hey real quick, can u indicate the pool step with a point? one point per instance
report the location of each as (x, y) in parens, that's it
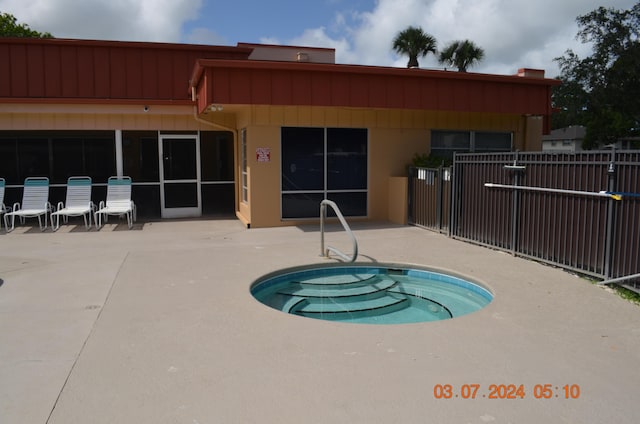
(347, 292)
(340, 281)
(344, 296)
(340, 310)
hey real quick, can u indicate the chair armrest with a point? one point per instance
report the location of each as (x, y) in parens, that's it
(60, 206)
(16, 206)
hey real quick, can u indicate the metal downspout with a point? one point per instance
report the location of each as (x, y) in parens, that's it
(235, 150)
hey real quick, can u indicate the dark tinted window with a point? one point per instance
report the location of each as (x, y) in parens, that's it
(302, 159)
(216, 156)
(140, 155)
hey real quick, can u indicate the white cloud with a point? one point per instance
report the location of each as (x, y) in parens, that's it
(513, 33)
(131, 20)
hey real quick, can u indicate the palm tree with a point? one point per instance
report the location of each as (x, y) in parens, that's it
(414, 42)
(461, 54)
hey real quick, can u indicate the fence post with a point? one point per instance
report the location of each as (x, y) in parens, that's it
(411, 219)
(453, 213)
(438, 182)
(516, 207)
(609, 236)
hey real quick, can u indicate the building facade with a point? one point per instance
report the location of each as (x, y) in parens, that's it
(568, 139)
(263, 132)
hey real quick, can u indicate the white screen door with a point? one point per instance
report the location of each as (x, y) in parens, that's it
(180, 175)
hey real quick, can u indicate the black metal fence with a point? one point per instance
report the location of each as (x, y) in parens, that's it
(430, 198)
(580, 211)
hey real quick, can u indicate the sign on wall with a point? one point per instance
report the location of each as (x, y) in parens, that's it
(263, 154)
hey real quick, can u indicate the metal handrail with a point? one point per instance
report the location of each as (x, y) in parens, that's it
(609, 194)
(325, 252)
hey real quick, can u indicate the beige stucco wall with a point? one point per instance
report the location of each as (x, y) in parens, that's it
(100, 117)
(394, 138)
(398, 200)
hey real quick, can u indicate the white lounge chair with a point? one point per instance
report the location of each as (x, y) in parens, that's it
(3, 208)
(35, 203)
(118, 201)
(77, 203)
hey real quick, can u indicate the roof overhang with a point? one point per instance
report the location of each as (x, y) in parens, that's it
(229, 82)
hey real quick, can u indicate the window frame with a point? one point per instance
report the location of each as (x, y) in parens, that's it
(325, 191)
(472, 146)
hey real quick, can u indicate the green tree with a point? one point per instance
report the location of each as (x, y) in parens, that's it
(461, 54)
(602, 91)
(414, 43)
(9, 27)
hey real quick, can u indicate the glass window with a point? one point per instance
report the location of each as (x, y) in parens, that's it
(319, 163)
(180, 195)
(100, 159)
(67, 159)
(33, 158)
(243, 161)
(346, 158)
(351, 204)
(302, 205)
(445, 143)
(9, 161)
(216, 156)
(179, 158)
(492, 142)
(140, 155)
(57, 155)
(302, 159)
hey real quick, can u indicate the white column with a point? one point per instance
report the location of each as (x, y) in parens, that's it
(119, 160)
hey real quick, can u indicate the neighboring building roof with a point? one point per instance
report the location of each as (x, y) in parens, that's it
(290, 53)
(574, 132)
(568, 139)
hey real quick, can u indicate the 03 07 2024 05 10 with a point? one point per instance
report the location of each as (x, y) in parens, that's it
(506, 391)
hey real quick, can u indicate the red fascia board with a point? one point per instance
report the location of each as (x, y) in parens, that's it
(93, 101)
(508, 93)
(141, 45)
(369, 70)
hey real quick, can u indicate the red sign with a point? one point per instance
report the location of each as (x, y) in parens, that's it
(263, 154)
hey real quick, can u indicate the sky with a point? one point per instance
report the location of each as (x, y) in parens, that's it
(513, 33)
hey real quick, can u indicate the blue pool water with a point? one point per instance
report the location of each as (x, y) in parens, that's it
(382, 294)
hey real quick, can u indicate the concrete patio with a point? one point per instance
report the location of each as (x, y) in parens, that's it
(156, 325)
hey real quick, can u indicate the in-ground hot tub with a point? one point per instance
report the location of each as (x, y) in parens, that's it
(371, 294)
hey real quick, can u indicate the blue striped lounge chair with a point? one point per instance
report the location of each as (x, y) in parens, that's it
(35, 203)
(77, 203)
(118, 202)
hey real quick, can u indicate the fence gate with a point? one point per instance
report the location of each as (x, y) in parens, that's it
(430, 198)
